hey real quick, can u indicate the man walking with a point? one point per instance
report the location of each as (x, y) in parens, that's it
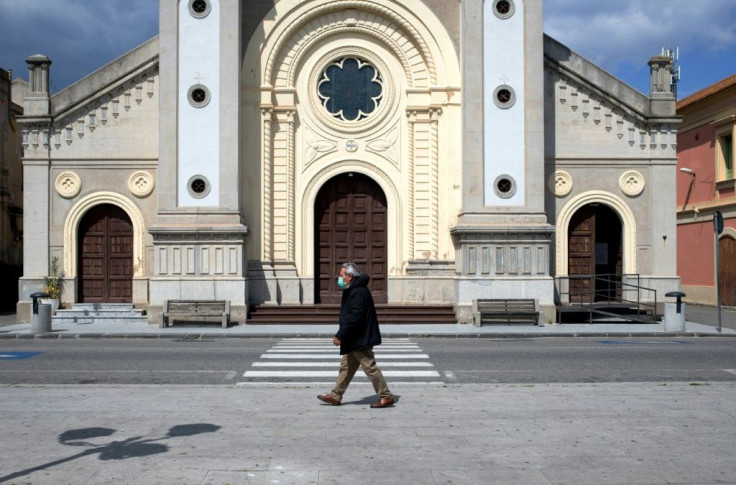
(357, 335)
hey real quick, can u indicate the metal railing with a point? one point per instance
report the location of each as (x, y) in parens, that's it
(603, 294)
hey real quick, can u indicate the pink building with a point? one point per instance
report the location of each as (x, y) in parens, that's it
(706, 184)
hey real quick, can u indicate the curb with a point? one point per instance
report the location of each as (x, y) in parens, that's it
(202, 336)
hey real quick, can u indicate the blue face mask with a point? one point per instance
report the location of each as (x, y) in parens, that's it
(341, 283)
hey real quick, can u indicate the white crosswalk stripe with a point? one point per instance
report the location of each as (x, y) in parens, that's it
(315, 361)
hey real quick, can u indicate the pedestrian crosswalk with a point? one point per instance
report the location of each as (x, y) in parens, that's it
(315, 361)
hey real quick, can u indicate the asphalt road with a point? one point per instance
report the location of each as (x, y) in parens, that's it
(223, 362)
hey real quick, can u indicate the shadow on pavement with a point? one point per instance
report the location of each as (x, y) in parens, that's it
(133, 447)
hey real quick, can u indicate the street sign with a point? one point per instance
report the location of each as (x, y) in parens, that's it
(718, 222)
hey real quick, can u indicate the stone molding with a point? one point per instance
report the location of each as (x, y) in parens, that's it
(74, 216)
(560, 183)
(631, 183)
(68, 184)
(628, 228)
(655, 135)
(141, 183)
(393, 201)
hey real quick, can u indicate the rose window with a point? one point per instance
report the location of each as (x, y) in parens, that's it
(350, 89)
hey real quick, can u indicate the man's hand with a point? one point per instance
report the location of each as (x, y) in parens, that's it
(336, 341)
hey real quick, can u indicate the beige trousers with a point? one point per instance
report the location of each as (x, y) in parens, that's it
(349, 365)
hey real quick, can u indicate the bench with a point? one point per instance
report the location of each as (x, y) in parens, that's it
(195, 309)
(505, 311)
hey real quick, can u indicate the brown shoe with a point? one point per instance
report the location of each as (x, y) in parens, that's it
(328, 399)
(383, 403)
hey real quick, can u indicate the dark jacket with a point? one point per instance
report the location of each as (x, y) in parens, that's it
(358, 321)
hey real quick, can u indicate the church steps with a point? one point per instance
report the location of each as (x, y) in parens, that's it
(100, 313)
(327, 314)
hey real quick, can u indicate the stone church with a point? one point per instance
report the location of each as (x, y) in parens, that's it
(449, 148)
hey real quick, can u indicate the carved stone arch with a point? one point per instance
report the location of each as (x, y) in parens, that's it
(309, 197)
(301, 20)
(628, 228)
(71, 225)
(417, 76)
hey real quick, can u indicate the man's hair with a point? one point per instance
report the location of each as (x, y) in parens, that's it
(351, 269)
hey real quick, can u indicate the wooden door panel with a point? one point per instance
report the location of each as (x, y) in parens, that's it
(580, 254)
(105, 255)
(350, 223)
(727, 263)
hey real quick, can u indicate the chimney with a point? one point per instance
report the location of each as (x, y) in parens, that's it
(36, 103)
(661, 93)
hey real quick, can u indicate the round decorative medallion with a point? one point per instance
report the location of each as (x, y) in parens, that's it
(351, 145)
(198, 186)
(505, 186)
(631, 183)
(503, 9)
(199, 8)
(198, 96)
(140, 184)
(504, 96)
(68, 184)
(560, 183)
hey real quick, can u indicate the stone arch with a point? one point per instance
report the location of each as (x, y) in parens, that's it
(409, 29)
(309, 197)
(628, 228)
(71, 225)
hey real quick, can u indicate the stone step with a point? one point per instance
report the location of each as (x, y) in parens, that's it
(95, 319)
(100, 313)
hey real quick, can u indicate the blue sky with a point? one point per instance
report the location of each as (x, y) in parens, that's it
(80, 36)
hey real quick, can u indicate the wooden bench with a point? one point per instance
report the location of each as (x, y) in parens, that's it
(195, 309)
(505, 311)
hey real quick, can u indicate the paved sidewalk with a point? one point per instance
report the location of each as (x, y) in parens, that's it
(703, 314)
(465, 434)
(132, 330)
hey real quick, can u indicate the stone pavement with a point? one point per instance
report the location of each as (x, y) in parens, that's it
(132, 330)
(465, 434)
(705, 315)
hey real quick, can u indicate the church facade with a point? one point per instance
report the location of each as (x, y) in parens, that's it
(450, 149)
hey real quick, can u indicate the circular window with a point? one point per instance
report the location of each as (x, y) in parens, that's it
(350, 89)
(504, 96)
(199, 8)
(504, 186)
(198, 96)
(503, 9)
(198, 186)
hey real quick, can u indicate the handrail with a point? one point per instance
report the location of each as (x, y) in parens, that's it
(613, 288)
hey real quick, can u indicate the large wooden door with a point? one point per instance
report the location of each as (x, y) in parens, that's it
(594, 254)
(580, 265)
(350, 220)
(105, 258)
(727, 263)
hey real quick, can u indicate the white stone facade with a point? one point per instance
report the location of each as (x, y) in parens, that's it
(214, 140)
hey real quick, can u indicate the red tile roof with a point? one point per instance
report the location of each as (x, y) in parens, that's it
(709, 91)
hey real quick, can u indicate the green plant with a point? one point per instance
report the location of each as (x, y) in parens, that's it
(55, 280)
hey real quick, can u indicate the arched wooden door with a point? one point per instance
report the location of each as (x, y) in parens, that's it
(727, 263)
(350, 226)
(594, 249)
(105, 256)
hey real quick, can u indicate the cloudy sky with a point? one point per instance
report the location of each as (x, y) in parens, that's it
(80, 36)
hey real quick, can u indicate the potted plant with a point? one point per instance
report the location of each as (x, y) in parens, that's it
(54, 284)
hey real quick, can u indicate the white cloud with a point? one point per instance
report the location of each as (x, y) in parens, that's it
(629, 32)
